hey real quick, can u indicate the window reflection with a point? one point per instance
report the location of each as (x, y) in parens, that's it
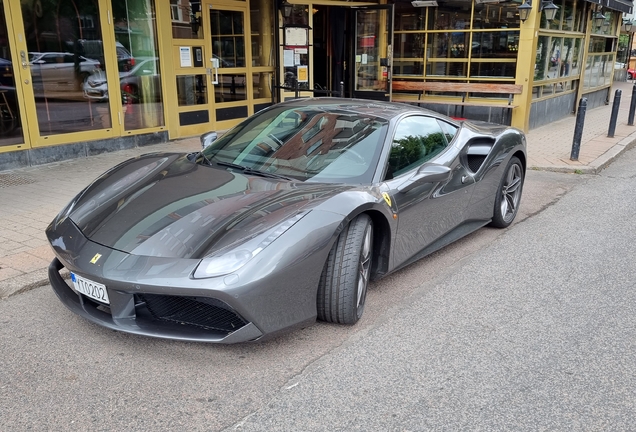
(139, 74)
(191, 90)
(10, 127)
(231, 87)
(65, 47)
(186, 19)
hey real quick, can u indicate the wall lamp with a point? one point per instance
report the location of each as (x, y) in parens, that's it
(546, 6)
(627, 25)
(286, 8)
(599, 19)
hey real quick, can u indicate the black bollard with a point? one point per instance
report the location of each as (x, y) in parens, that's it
(615, 106)
(341, 89)
(632, 106)
(578, 129)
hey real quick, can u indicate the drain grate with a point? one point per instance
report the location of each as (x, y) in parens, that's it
(8, 180)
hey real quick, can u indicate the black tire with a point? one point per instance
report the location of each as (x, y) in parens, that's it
(343, 284)
(508, 194)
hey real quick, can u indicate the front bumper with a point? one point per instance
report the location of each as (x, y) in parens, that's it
(165, 316)
(156, 296)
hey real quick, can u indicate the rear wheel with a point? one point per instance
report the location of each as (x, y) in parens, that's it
(343, 285)
(508, 194)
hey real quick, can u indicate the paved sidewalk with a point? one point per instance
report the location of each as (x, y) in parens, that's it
(31, 197)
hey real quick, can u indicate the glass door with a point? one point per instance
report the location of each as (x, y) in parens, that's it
(61, 47)
(229, 63)
(372, 52)
(11, 133)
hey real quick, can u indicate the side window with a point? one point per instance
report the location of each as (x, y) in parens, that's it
(448, 129)
(417, 139)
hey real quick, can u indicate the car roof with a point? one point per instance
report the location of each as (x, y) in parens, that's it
(385, 110)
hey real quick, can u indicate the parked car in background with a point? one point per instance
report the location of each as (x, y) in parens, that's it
(60, 71)
(631, 73)
(95, 49)
(96, 88)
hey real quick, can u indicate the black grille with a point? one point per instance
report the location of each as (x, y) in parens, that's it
(206, 313)
(475, 161)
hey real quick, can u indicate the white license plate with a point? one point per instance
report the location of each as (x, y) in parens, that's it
(90, 289)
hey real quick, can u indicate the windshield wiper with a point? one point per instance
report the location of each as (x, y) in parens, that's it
(249, 170)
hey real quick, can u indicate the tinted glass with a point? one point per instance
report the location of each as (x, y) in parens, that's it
(417, 139)
(10, 126)
(315, 143)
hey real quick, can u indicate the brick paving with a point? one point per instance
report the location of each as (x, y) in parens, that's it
(31, 197)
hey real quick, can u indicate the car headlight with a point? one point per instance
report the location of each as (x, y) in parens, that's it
(231, 260)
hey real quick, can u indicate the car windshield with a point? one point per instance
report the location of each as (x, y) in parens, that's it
(329, 143)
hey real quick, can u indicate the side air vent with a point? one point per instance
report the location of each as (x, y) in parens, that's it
(478, 150)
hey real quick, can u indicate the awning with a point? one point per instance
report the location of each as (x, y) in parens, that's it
(624, 6)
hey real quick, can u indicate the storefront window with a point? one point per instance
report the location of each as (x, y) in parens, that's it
(496, 15)
(448, 45)
(451, 15)
(493, 69)
(139, 75)
(408, 17)
(504, 44)
(66, 58)
(262, 33)
(10, 127)
(187, 22)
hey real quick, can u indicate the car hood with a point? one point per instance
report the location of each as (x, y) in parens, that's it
(166, 205)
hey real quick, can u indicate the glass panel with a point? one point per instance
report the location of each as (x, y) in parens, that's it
(228, 40)
(448, 45)
(493, 69)
(408, 17)
(452, 15)
(298, 17)
(186, 19)
(408, 45)
(496, 15)
(10, 127)
(191, 90)
(231, 87)
(262, 85)
(576, 57)
(413, 68)
(554, 65)
(504, 44)
(65, 47)
(417, 140)
(568, 54)
(139, 76)
(568, 15)
(543, 44)
(459, 69)
(370, 73)
(262, 23)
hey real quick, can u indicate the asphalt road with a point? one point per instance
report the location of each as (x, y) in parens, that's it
(529, 328)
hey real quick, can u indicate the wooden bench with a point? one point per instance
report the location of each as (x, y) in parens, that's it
(464, 89)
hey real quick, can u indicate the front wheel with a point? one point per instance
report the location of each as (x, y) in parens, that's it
(343, 285)
(508, 194)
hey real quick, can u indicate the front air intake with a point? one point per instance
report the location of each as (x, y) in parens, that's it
(202, 312)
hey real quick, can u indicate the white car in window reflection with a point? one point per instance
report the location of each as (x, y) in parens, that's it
(96, 88)
(60, 71)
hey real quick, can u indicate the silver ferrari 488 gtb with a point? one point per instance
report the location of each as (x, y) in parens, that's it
(282, 220)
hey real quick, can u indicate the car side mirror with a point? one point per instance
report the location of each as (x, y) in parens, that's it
(430, 173)
(208, 138)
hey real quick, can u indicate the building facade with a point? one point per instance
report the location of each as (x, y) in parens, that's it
(79, 78)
